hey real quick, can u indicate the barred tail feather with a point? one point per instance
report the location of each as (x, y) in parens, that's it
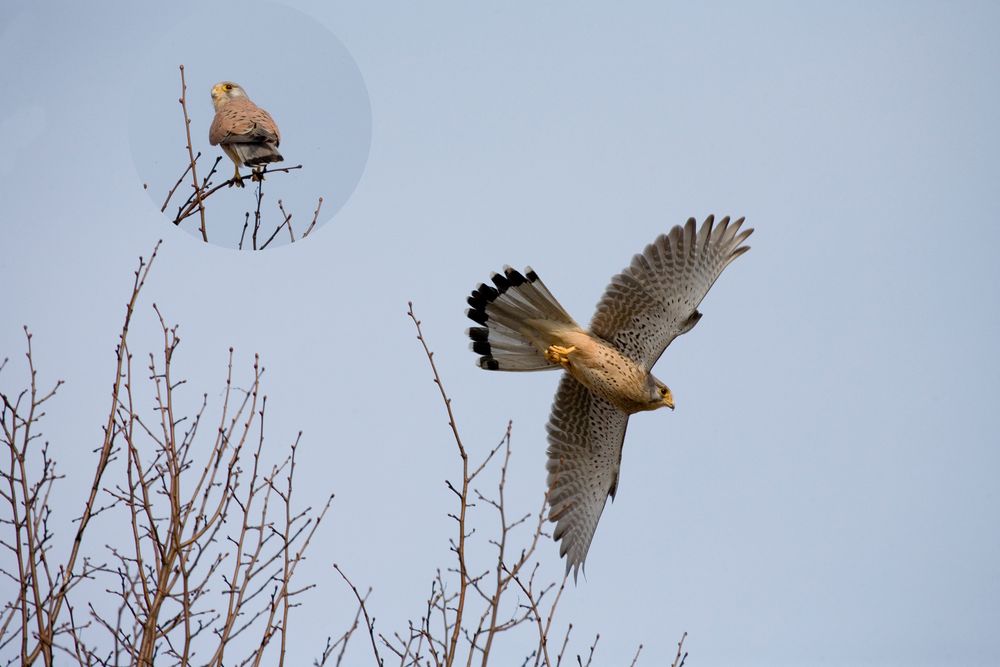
(509, 314)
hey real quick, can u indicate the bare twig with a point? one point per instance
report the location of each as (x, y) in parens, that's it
(319, 204)
(635, 658)
(191, 158)
(369, 622)
(256, 213)
(246, 223)
(562, 649)
(460, 549)
(179, 180)
(590, 656)
(286, 220)
(680, 659)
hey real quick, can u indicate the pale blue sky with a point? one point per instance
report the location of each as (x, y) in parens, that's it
(825, 493)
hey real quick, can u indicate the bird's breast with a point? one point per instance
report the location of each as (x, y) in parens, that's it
(608, 373)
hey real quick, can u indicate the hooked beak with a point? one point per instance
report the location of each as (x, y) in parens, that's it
(668, 400)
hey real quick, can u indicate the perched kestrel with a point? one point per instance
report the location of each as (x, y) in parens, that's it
(646, 306)
(246, 132)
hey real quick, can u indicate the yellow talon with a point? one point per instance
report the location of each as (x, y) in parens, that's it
(237, 179)
(557, 354)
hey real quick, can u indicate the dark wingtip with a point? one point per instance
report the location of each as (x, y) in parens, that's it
(489, 364)
(485, 292)
(478, 333)
(477, 316)
(478, 300)
(513, 277)
(500, 281)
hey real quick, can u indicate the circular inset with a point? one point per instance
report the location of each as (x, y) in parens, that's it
(289, 65)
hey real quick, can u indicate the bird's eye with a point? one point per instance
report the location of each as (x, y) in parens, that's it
(229, 86)
(663, 391)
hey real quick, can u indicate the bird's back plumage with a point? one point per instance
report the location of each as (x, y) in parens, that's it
(247, 131)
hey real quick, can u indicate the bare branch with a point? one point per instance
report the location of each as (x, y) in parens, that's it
(191, 160)
(369, 622)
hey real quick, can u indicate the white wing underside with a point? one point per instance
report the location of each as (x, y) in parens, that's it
(644, 308)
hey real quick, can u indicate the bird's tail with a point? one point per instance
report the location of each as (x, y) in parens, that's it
(255, 155)
(514, 317)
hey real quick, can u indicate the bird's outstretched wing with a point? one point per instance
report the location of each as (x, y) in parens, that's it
(656, 298)
(585, 450)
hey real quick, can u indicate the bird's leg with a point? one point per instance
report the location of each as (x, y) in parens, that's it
(256, 175)
(557, 354)
(237, 179)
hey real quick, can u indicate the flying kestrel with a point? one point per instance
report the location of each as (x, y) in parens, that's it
(246, 132)
(654, 300)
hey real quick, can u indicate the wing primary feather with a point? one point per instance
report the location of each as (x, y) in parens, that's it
(649, 304)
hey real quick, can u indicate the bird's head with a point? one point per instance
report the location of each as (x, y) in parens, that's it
(224, 91)
(659, 395)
